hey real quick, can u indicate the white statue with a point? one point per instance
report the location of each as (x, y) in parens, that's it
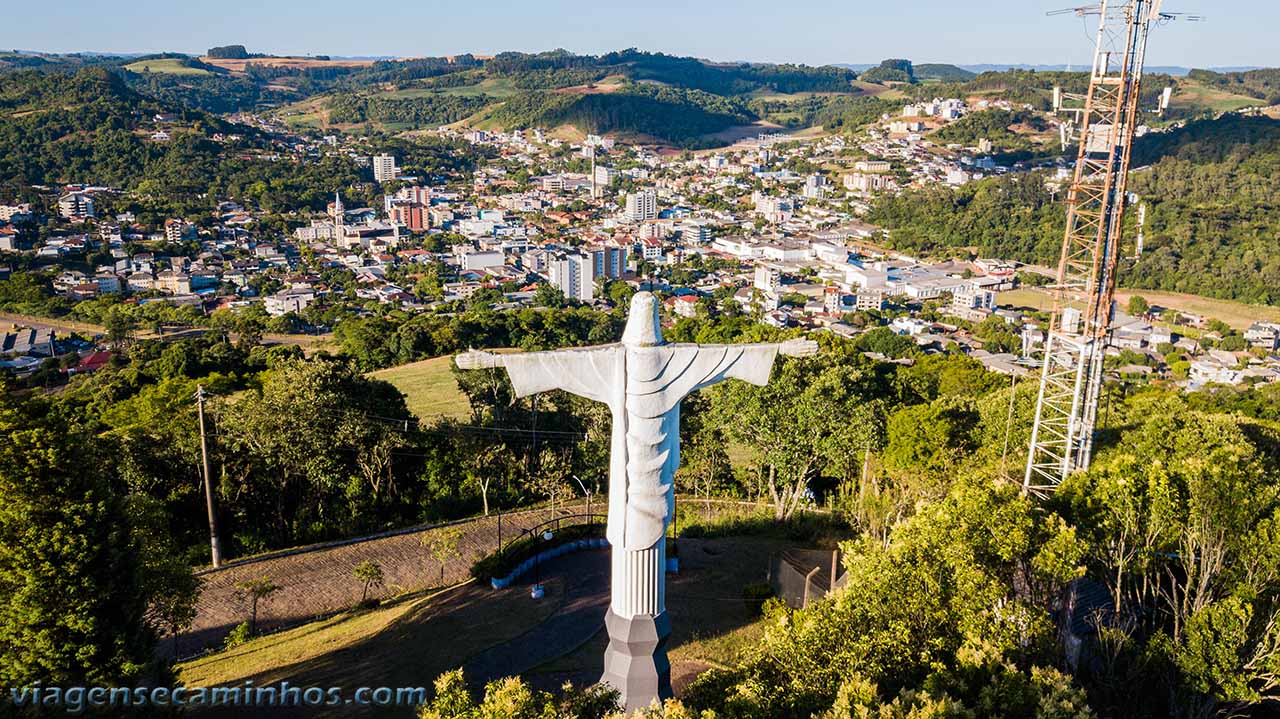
(643, 381)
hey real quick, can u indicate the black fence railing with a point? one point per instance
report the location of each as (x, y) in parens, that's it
(554, 524)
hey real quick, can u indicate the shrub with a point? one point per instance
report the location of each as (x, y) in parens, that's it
(237, 636)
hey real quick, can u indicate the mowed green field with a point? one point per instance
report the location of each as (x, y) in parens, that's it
(429, 388)
(1197, 95)
(168, 66)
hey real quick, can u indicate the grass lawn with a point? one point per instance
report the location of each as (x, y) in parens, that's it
(1197, 95)
(406, 644)
(429, 388)
(1237, 314)
(9, 319)
(168, 66)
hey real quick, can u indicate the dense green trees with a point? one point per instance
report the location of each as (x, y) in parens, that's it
(1209, 187)
(672, 113)
(310, 452)
(87, 569)
(1013, 216)
(428, 111)
(953, 605)
(1180, 520)
(1212, 211)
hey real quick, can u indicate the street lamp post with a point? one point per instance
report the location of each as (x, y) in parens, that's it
(538, 591)
(590, 517)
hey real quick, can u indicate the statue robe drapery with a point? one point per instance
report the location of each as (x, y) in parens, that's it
(643, 387)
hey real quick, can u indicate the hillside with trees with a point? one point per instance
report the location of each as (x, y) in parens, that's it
(1211, 189)
(89, 127)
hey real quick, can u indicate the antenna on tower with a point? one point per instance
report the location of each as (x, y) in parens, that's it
(1106, 118)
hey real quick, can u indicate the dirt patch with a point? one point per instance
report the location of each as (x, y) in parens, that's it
(684, 672)
(588, 90)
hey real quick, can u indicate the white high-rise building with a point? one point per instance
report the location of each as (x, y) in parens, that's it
(75, 205)
(574, 274)
(384, 168)
(768, 279)
(605, 176)
(642, 206)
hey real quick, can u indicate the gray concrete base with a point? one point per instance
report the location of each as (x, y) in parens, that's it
(636, 661)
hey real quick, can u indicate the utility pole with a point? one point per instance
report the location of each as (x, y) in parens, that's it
(215, 543)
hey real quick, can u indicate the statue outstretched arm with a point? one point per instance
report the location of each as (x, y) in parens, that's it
(478, 359)
(585, 372)
(754, 363)
(799, 347)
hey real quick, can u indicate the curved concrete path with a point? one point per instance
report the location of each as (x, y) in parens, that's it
(574, 623)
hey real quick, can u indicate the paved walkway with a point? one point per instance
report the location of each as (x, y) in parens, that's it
(574, 623)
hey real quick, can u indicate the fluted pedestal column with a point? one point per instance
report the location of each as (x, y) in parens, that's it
(636, 661)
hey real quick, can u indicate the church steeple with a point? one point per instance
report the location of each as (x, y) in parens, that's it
(339, 215)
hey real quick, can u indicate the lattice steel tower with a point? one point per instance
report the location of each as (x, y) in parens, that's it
(1071, 378)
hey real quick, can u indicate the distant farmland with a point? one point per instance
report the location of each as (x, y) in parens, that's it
(165, 66)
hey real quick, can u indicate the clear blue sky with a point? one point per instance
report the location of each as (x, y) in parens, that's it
(1240, 32)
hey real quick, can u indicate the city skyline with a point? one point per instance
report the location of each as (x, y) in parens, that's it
(1003, 32)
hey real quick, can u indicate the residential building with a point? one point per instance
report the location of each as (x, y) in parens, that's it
(768, 278)
(8, 212)
(610, 262)
(75, 206)
(384, 168)
(1210, 371)
(413, 216)
(683, 305)
(872, 166)
(605, 176)
(641, 206)
(574, 274)
(1263, 334)
(289, 300)
(172, 282)
(175, 231)
(866, 299)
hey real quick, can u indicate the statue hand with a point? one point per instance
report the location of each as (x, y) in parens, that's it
(799, 348)
(476, 359)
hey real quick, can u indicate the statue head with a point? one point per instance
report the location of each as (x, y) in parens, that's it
(643, 329)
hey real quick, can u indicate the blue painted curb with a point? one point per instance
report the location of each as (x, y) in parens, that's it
(563, 549)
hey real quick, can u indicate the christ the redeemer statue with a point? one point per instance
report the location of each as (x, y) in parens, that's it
(643, 380)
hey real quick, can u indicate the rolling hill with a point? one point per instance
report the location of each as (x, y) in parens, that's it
(1212, 191)
(91, 127)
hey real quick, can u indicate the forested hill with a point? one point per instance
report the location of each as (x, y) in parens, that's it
(89, 127)
(1213, 221)
(1212, 189)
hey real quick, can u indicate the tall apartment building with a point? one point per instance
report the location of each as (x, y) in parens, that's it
(768, 278)
(574, 274)
(642, 206)
(384, 168)
(605, 176)
(610, 262)
(75, 205)
(176, 231)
